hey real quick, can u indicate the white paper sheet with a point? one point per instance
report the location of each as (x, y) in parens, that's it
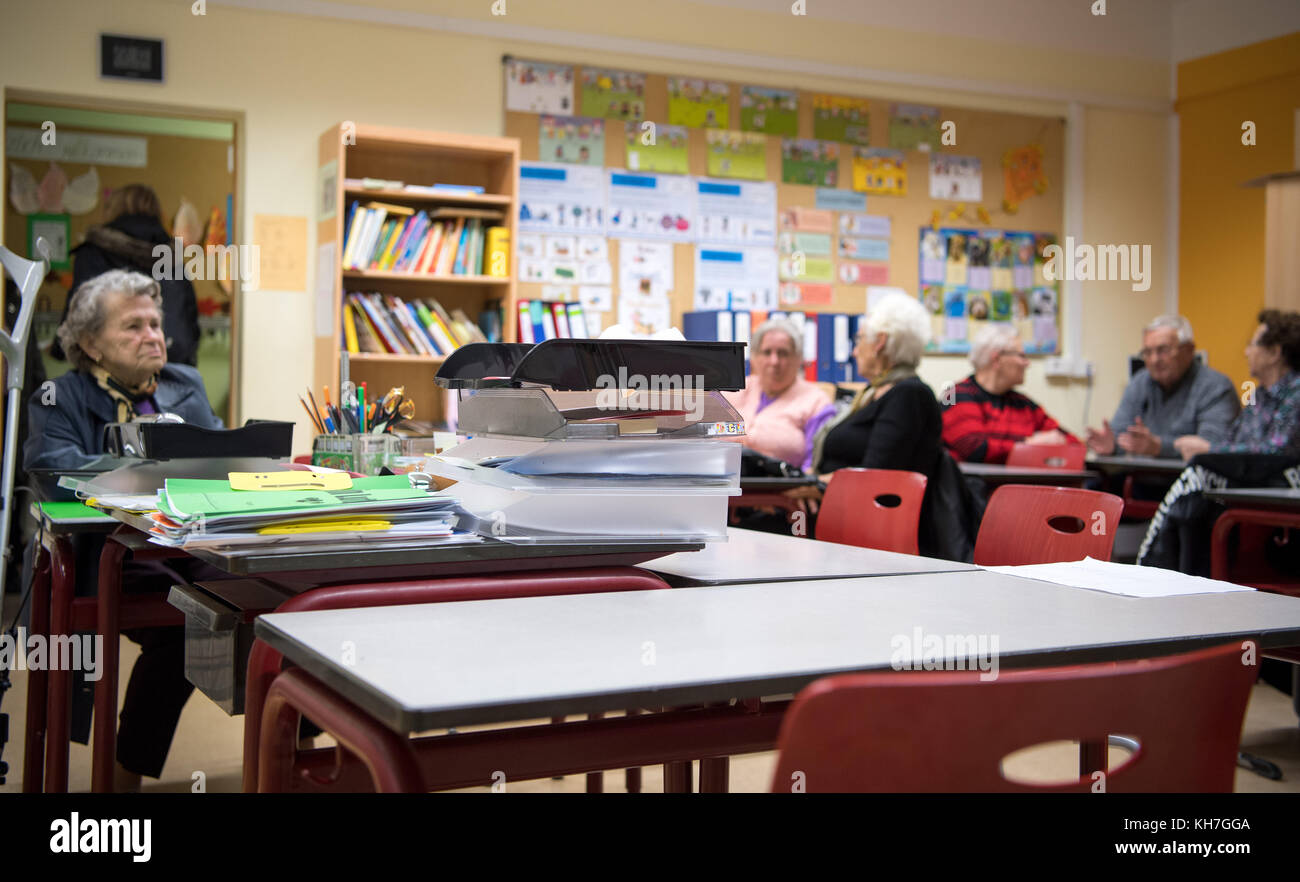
(1117, 578)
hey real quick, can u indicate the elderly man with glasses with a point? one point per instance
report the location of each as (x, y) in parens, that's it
(986, 417)
(1174, 397)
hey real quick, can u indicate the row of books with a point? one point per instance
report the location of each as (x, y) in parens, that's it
(385, 323)
(449, 241)
(541, 320)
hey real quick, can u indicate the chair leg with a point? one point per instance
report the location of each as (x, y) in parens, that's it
(37, 681)
(714, 774)
(632, 777)
(104, 751)
(596, 780)
(678, 777)
(58, 731)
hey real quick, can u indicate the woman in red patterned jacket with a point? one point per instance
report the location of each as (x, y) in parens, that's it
(985, 417)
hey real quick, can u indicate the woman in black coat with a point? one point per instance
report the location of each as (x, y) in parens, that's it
(135, 228)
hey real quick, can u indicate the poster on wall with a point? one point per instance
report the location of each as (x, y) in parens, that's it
(575, 139)
(811, 162)
(659, 149)
(913, 127)
(971, 277)
(737, 155)
(842, 119)
(882, 172)
(613, 94)
(956, 178)
(771, 111)
(738, 213)
(735, 278)
(539, 87)
(656, 206)
(699, 104)
(559, 198)
(56, 229)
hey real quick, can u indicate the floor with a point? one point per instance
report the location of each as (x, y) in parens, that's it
(208, 748)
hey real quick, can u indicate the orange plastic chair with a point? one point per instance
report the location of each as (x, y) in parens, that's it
(949, 731)
(1047, 456)
(1032, 524)
(872, 508)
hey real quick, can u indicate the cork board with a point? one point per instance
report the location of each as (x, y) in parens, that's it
(983, 134)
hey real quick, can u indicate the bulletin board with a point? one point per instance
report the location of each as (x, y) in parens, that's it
(989, 136)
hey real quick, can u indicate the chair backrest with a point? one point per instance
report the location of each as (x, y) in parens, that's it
(902, 731)
(1047, 456)
(872, 508)
(1032, 524)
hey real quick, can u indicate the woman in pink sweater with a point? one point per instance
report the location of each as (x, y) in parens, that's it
(782, 410)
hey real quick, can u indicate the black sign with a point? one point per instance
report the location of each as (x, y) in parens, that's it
(131, 58)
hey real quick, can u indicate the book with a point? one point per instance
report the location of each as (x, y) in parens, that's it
(356, 219)
(498, 252)
(448, 252)
(413, 310)
(387, 335)
(350, 329)
(367, 335)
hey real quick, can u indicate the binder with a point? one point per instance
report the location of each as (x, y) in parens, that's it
(526, 322)
(561, 320)
(577, 320)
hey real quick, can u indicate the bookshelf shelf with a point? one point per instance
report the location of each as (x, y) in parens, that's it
(415, 157)
(491, 200)
(427, 277)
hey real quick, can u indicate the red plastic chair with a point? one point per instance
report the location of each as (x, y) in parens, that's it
(949, 731)
(1031, 524)
(872, 508)
(1047, 456)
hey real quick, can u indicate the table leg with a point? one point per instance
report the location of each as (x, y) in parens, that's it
(596, 780)
(58, 731)
(104, 752)
(632, 777)
(37, 681)
(678, 777)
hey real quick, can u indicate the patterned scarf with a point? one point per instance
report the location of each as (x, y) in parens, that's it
(893, 375)
(126, 397)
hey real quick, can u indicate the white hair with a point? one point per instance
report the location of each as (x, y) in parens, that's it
(990, 341)
(1174, 322)
(905, 324)
(87, 314)
(785, 326)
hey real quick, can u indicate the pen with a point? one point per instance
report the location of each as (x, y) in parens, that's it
(361, 408)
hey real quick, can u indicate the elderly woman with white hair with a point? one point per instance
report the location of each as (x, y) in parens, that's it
(894, 423)
(112, 333)
(782, 410)
(987, 417)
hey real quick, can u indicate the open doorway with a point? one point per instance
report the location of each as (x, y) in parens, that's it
(66, 157)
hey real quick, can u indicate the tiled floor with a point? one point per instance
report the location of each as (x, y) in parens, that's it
(210, 742)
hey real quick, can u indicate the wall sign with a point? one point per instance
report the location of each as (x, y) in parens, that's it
(130, 58)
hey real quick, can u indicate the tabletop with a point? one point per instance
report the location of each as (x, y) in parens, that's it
(775, 485)
(457, 664)
(1003, 474)
(71, 517)
(1120, 465)
(1284, 498)
(752, 556)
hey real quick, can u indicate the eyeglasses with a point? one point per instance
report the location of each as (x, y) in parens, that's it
(1014, 353)
(1164, 351)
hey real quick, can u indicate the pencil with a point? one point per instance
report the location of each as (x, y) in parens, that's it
(314, 421)
(316, 410)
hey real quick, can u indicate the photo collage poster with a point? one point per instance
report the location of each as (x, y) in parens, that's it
(971, 277)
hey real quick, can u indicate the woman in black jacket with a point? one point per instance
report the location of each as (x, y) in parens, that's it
(135, 228)
(895, 423)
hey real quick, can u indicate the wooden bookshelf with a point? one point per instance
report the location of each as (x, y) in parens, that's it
(421, 158)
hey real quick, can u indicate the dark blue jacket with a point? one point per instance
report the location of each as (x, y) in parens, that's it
(66, 423)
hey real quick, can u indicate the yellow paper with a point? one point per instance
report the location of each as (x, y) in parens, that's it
(323, 527)
(282, 252)
(291, 480)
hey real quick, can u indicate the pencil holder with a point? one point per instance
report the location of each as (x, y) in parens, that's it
(364, 454)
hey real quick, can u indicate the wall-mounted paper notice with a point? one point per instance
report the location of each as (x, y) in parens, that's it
(326, 265)
(282, 249)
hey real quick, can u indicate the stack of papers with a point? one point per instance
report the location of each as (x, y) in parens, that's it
(1118, 578)
(208, 513)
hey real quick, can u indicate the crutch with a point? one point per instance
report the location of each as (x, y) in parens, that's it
(28, 274)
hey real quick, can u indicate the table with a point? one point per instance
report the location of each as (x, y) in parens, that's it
(1125, 465)
(996, 473)
(1271, 498)
(458, 664)
(751, 556)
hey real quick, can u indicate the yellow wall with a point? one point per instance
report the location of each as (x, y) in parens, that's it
(1221, 224)
(291, 77)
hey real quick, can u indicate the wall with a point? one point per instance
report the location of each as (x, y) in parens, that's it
(1221, 224)
(292, 76)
